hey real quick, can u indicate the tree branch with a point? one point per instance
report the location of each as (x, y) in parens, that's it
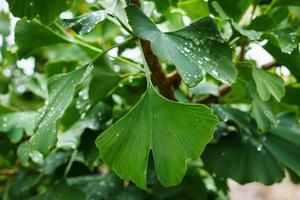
(270, 65)
(158, 76)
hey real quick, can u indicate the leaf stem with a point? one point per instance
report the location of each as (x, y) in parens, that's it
(73, 156)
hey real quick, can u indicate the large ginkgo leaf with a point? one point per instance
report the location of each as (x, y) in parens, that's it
(195, 49)
(175, 133)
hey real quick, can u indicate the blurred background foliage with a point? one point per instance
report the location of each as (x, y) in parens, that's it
(257, 138)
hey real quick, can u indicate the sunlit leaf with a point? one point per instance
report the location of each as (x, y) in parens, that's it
(18, 120)
(194, 8)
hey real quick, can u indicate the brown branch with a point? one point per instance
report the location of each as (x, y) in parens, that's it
(243, 46)
(270, 65)
(158, 76)
(174, 79)
(223, 90)
(136, 2)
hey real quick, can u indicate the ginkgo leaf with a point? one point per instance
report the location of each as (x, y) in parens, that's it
(262, 113)
(268, 84)
(285, 39)
(31, 35)
(195, 49)
(242, 161)
(85, 23)
(284, 141)
(174, 132)
(241, 155)
(17, 120)
(46, 11)
(251, 34)
(61, 91)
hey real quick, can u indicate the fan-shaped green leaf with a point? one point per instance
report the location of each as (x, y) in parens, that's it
(174, 132)
(61, 91)
(285, 39)
(292, 61)
(242, 161)
(268, 84)
(46, 11)
(283, 141)
(32, 35)
(17, 120)
(262, 113)
(195, 49)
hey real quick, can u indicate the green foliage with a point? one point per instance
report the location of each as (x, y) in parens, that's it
(82, 115)
(173, 139)
(198, 46)
(46, 11)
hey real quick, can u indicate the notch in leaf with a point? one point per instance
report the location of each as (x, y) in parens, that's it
(194, 49)
(174, 132)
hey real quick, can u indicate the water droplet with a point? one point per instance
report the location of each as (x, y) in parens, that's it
(215, 73)
(155, 116)
(117, 68)
(187, 49)
(259, 147)
(197, 120)
(130, 79)
(85, 97)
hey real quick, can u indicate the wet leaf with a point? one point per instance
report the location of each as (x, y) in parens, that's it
(195, 49)
(86, 23)
(242, 161)
(174, 132)
(61, 91)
